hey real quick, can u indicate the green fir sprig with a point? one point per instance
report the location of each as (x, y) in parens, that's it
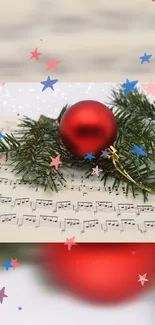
(30, 151)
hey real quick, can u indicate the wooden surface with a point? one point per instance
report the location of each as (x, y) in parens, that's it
(94, 40)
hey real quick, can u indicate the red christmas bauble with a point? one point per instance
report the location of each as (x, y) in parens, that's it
(88, 127)
(102, 272)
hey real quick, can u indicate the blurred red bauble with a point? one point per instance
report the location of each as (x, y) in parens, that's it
(88, 127)
(102, 272)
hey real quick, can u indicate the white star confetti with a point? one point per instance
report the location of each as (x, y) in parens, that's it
(142, 279)
(96, 171)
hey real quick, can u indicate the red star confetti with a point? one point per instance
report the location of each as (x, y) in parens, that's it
(41, 40)
(35, 54)
(70, 242)
(96, 171)
(56, 162)
(3, 157)
(14, 262)
(2, 295)
(52, 64)
(150, 88)
(142, 279)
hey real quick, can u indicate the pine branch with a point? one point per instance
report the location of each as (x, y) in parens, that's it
(30, 151)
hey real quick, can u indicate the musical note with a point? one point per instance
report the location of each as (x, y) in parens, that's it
(4, 181)
(104, 206)
(128, 224)
(41, 203)
(25, 202)
(71, 224)
(49, 221)
(6, 200)
(4, 168)
(65, 205)
(149, 225)
(30, 220)
(126, 208)
(9, 219)
(145, 208)
(91, 224)
(112, 225)
(82, 207)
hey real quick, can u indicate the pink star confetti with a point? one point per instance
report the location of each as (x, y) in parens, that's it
(142, 279)
(2, 83)
(52, 64)
(35, 54)
(3, 157)
(14, 262)
(96, 171)
(150, 88)
(56, 162)
(70, 242)
(2, 295)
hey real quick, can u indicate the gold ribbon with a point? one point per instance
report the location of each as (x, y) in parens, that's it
(116, 162)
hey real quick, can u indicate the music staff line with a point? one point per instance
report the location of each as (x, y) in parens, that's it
(94, 207)
(75, 224)
(84, 185)
(75, 182)
(85, 189)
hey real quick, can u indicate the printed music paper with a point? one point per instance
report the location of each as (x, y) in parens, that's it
(83, 208)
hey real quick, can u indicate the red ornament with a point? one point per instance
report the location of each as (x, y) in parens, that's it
(88, 127)
(102, 272)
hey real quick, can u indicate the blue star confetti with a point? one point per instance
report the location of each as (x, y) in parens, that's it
(129, 86)
(19, 308)
(145, 58)
(49, 83)
(89, 156)
(139, 151)
(7, 265)
(1, 136)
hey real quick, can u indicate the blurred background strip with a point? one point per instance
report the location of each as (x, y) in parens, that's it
(94, 40)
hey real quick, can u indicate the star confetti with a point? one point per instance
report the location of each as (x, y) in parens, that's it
(150, 88)
(19, 308)
(89, 156)
(2, 83)
(104, 154)
(7, 265)
(2, 295)
(70, 242)
(56, 162)
(138, 150)
(49, 83)
(142, 279)
(3, 157)
(145, 58)
(1, 136)
(14, 262)
(129, 86)
(96, 171)
(35, 54)
(52, 64)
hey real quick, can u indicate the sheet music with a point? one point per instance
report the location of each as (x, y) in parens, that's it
(83, 208)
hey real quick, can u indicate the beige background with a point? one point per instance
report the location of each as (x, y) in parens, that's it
(98, 40)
